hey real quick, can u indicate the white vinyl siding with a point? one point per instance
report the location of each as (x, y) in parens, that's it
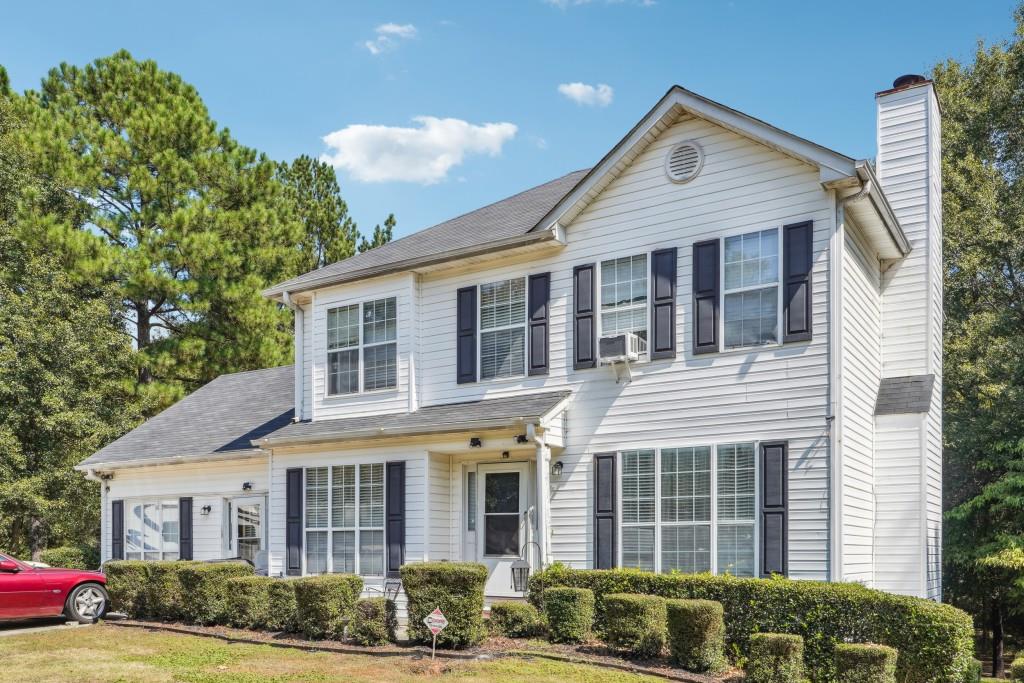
(750, 289)
(623, 295)
(344, 512)
(366, 331)
(151, 529)
(503, 329)
(684, 510)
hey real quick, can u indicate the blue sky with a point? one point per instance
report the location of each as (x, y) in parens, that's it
(438, 108)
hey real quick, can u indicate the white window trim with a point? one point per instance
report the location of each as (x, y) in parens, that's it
(779, 314)
(480, 329)
(330, 529)
(658, 524)
(129, 503)
(359, 348)
(599, 310)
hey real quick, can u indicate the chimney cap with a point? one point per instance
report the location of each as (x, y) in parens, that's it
(908, 80)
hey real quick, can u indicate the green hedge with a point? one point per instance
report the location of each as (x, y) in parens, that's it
(696, 634)
(248, 601)
(281, 609)
(164, 597)
(373, 622)
(865, 663)
(935, 641)
(514, 619)
(205, 590)
(1017, 669)
(635, 623)
(72, 557)
(126, 584)
(457, 588)
(569, 613)
(324, 603)
(775, 658)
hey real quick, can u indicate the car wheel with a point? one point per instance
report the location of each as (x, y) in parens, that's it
(87, 603)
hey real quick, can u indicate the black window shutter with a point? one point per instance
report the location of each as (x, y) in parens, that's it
(539, 305)
(705, 297)
(293, 521)
(395, 513)
(117, 530)
(184, 528)
(604, 511)
(774, 517)
(663, 311)
(583, 329)
(797, 254)
(466, 345)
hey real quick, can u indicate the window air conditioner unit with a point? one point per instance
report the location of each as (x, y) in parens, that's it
(625, 347)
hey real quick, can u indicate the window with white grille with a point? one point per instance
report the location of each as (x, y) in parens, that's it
(362, 347)
(503, 329)
(624, 296)
(345, 519)
(689, 509)
(750, 291)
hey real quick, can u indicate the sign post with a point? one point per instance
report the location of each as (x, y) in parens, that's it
(436, 622)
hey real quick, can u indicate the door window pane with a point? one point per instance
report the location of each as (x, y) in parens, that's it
(249, 530)
(501, 492)
(501, 513)
(471, 501)
(501, 532)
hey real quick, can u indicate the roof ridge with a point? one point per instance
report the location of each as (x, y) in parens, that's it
(245, 372)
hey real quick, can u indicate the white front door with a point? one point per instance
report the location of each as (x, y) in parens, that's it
(246, 532)
(503, 500)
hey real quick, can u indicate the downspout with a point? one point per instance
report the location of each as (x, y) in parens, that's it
(543, 494)
(299, 359)
(834, 422)
(92, 476)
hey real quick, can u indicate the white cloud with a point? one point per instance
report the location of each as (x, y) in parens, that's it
(424, 154)
(599, 95)
(388, 37)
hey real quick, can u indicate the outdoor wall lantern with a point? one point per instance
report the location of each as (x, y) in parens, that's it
(247, 486)
(556, 469)
(475, 442)
(521, 569)
(505, 455)
(521, 438)
(205, 510)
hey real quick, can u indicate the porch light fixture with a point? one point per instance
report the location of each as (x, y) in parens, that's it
(505, 455)
(391, 588)
(521, 569)
(205, 510)
(247, 486)
(521, 438)
(475, 442)
(556, 469)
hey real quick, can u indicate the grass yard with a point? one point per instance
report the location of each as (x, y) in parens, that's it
(102, 654)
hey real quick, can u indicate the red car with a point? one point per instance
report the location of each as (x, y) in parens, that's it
(27, 591)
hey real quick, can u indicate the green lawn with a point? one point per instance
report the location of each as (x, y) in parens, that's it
(108, 654)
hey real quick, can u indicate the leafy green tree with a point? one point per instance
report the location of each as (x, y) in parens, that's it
(329, 233)
(186, 224)
(983, 209)
(380, 235)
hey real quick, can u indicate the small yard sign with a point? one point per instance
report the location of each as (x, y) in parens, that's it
(436, 622)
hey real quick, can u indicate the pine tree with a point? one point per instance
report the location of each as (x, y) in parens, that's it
(380, 235)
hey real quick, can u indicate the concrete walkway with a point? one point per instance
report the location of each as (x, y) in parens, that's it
(17, 628)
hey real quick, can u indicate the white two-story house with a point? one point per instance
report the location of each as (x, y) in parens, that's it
(717, 350)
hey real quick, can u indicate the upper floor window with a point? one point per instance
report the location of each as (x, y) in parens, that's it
(361, 344)
(624, 296)
(503, 329)
(751, 289)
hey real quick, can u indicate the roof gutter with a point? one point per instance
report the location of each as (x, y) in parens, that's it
(553, 233)
(866, 174)
(169, 460)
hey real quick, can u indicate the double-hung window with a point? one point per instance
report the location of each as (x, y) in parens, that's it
(751, 289)
(151, 530)
(345, 519)
(362, 347)
(624, 296)
(503, 329)
(689, 509)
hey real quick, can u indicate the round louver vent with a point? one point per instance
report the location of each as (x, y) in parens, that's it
(684, 161)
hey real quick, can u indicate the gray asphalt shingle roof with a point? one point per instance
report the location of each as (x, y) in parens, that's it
(430, 419)
(222, 416)
(910, 394)
(511, 217)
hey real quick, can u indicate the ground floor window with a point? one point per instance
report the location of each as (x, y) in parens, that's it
(689, 509)
(345, 519)
(151, 530)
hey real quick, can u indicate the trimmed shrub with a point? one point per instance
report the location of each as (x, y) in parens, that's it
(373, 622)
(569, 613)
(775, 658)
(248, 601)
(324, 603)
(1017, 669)
(72, 557)
(126, 584)
(974, 674)
(514, 619)
(635, 623)
(281, 610)
(935, 641)
(163, 592)
(865, 663)
(696, 634)
(457, 588)
(205, 590)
